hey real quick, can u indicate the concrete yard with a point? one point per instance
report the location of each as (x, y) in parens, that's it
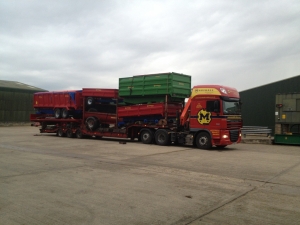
(45, 179)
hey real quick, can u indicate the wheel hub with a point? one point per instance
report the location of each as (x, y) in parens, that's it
(146, 136)
(203, 141)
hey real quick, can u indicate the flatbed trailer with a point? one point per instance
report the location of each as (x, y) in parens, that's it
(140, 131)
(210, 117)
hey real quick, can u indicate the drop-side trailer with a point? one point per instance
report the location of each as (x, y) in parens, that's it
(210, 117)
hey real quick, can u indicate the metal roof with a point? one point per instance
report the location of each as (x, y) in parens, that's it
(15, 85)
(275, 82)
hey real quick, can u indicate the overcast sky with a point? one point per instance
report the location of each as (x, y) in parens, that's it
(69, 44)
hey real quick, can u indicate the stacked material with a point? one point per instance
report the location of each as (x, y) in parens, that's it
(153, 96)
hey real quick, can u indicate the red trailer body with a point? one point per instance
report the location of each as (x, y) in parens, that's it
(100, 92)
(149, 109)
(59, 99)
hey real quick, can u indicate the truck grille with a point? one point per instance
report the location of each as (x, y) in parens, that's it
(234, 135)
(234, 124)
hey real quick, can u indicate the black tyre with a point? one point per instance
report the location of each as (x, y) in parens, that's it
(79, 134)
(89, 101)
(60, 133)
(203, 140)
(162, 137)
(69, 133)
(57, 113)
(146, 136)
(92, 123)
(65, 113)
(44, 125)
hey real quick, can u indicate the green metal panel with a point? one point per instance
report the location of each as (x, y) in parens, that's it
(15, 105)
(287, 139)
(8, 116)
(22, 115)
(2, 104)
(148, 99)
(2, 116)
(173, 84)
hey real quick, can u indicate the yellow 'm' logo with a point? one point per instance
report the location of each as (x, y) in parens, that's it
(204, 117)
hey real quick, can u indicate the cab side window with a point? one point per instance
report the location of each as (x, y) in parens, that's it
(210, 106)
(213, 106)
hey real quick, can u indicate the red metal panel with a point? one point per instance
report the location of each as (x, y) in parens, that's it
(62, 99)
(50, 118)
(173, 108)
(148, 109)
(43, 100)
(106, 134)
(96, 92)
(78, 100)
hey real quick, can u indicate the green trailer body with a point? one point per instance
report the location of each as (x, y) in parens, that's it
(149, 99)
(155, 86)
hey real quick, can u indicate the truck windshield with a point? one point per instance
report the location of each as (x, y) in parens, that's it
(231, 107)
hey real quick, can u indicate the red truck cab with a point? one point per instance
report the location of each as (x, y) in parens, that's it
(213, 116)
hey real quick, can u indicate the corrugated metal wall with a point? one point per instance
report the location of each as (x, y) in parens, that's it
(15, 105)
(258, 107)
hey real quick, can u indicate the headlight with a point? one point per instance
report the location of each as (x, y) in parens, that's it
(225, 136)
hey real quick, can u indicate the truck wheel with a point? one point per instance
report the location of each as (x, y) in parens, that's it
(203, 140)
(89, 101)
(60, 132)
(79, 134)
(91, 122)
(57, 113)
(162, 137)
(146, 136)
(65, 113)
(69, 133)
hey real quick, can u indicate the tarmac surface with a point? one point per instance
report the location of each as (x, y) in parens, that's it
(45, 179)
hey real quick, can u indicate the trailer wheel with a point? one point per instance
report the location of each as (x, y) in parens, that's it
(89, 101)
(79, 134)
(203, 140)
(44, 125)
(146, 136)
(162, 137)
(92, 122)
(69, 133)
(57, 113)
(60, 132)
(65, 113)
